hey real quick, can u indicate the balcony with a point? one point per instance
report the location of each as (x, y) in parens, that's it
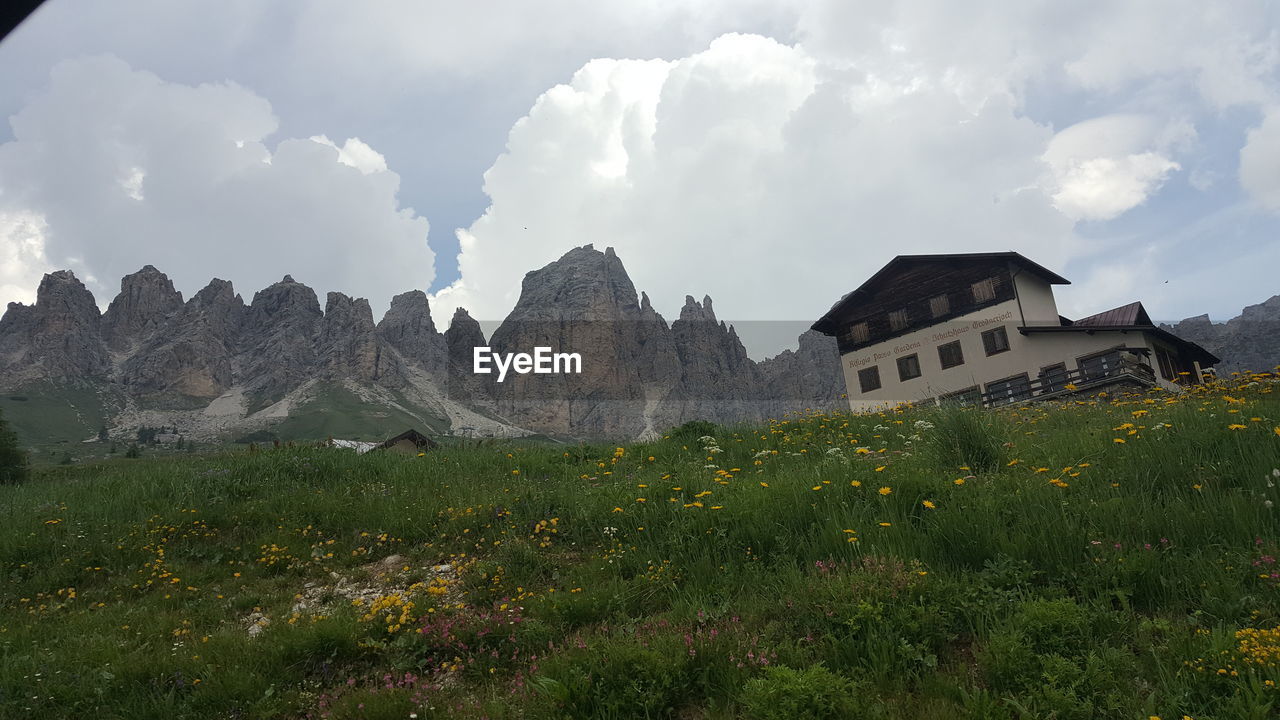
(1117, 367)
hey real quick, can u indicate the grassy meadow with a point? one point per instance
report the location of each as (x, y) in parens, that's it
(1109, 557)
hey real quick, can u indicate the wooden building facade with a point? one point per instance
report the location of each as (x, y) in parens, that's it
(983, 328)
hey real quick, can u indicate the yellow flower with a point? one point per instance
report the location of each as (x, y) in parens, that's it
(880, 468)
(816, 487)
(958, 481)
(885, 524)
(885, 490)
(764, 484)
(1277, 429)
(618, 509)
(856, 483)
(929, 504)
(641, 500)
(1013, 462)
(1119, 441)
(1235, 427)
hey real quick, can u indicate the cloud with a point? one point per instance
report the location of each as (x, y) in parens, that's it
(1259, 168)
(22, 258)
(758, 173)
(114, 168)
(1106, 166)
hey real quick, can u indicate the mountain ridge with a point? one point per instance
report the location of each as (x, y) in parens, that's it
(216, 366)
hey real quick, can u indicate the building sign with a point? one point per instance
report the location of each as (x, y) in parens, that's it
(937, 338)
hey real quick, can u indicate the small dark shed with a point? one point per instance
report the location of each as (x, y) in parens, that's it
(409, 441)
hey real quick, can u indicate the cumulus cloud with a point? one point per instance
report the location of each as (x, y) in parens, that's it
(757, 173)
(113, 168)
(777, 175)
(1106, 166)
(22, 258)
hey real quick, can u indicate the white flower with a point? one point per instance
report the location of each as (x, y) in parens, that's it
(1267, 504)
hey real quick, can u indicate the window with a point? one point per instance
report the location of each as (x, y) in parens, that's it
(984, 290)
(857, 334)
(1099, 365)
(909, 367)
(1009, 390)
(1053, 377)
(869, 379)
(995, 341)
(939, 305)
(898, 319)
(968, 396)
(950, 355)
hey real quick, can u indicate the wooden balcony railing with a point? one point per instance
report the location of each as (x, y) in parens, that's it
(1105, 369)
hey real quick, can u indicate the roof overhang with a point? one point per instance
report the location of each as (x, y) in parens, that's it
(827, 325)
(1197, 353)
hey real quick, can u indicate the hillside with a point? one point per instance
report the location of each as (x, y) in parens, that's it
(1113, 557)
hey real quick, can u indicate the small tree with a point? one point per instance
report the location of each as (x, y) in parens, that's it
(133, 451)
(14, 467)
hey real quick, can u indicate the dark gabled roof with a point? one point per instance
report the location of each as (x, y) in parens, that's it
(1131, 314)
(417, 438)
(825, 323)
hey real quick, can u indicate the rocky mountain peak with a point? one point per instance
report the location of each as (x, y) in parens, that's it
(62, 292)
(59, 336)
(694, 311)
(409, 314)
(346, 344)
(285, 298)
(147, 298)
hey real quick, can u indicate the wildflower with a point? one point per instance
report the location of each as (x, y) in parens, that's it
(764, 484)
(856, 483)
(885, 524)
(958, 481)
(816, 487)
(618, 509)
(1235, 426)
(929, 504)
(885, 490)
(1118, 441)
(641, 500)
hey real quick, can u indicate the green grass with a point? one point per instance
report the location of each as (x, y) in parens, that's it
(1020, 564)
(49, 413)
(336, 412)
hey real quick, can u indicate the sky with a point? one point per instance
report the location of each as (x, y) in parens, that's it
(772, 155)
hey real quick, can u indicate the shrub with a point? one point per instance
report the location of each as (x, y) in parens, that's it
(14, 467)
(693, 430)
(783, 693)
(617, 678)
(969, 437)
